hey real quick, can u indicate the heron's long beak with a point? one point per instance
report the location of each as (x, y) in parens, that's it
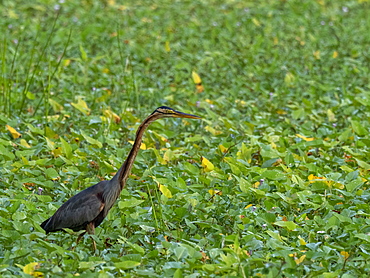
(179, 114)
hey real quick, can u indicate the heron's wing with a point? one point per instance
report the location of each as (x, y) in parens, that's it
(78, 211)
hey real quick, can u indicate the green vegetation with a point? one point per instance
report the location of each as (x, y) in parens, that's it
(273, 182)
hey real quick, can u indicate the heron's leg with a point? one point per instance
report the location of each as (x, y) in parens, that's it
(90, 229)
(78, 240)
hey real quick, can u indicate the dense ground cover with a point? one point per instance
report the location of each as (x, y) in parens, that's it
(273, 182)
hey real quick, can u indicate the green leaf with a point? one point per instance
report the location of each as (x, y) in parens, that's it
(244, 153)
(178, 273)
(290, 225)
(190, 168)
(195, 138)
(234, 165)
(127, 264)
(363, 164)
(6, 154)
(51, 173)
(30, 95)
(358, 128)
(181, 252)
(363, 236)
(269, 163)
(129, 203)
(91, 265)
(273, 175)
(352, 185)
(274, 235)
(345, 135)
(92, 141)
(19, 215)
(83, 53)
(56, 106)
(81, 106)
(66, 148)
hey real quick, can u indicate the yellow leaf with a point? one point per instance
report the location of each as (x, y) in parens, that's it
(313, 179)
(276, 41)
(146, 20)
(199, 88)
(212, 130)
(302, 241)
(281, 112)
(81, 106)
(142, 145)
(196, 78)
(301, 42)
(213, 192)
(50, 143)
(165, 191)
(305, 138)
(106, 70)
(122, 7)
(57, 151)
(30, 270)
(336, 184)
(222, 149)
(316, 54)
(300, 260)
(248, 206)
(256, 22)
(168, 156)
(25, 161)
(344, 254)
(256, 184)
(25, 144)
(241, 102)
(66, 62)
(207, 165)
(289, 78)
(112, 116)
(12, 14)
(13, 132)
(167, 46)
(331, 116)
(111, 2)
(335, 54)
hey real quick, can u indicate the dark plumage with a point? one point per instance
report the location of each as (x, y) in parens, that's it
(87, 209)
(83, 208)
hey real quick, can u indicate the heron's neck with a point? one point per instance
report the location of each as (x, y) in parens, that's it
(126, 167)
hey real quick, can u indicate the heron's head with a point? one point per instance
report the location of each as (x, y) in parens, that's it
(167, 112)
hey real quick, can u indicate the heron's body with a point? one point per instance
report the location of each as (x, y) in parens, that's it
(87, 209)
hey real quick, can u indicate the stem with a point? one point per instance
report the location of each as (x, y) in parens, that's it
(38, 63)
(53, 74)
